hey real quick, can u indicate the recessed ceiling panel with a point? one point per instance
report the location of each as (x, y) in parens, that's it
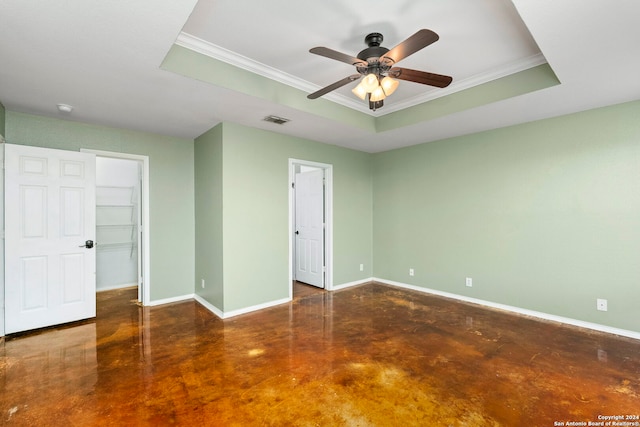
(480, 40)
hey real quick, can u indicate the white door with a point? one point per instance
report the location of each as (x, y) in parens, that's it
(309, 199)
(49, 219)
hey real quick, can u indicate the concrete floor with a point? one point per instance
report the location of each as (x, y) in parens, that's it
(371, 355)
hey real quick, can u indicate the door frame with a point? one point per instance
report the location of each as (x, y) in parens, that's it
(146, 228)
(2, 284)
(328, 214)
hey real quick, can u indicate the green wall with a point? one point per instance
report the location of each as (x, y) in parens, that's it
(255, 211)
(543, 216)
(208, 217)
(171, 187)
(2, 119)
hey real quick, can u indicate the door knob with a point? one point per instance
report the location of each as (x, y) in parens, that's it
(297, 232)
(88, 244)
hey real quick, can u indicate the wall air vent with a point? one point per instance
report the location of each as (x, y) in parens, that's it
(275, 119)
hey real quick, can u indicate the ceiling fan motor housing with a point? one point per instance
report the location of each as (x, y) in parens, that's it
(372, 56)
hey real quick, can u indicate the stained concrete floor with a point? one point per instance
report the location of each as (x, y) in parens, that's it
(371, 355)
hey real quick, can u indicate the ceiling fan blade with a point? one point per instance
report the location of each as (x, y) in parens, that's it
(431, 79)
(338, 56)
(414, 43)
(334, 86)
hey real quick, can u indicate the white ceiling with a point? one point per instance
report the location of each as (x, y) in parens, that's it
(104, 59)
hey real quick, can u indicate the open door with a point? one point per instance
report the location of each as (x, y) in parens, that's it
(309, 225)
(50, 233)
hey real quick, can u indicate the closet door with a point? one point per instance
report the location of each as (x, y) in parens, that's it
(50, 229)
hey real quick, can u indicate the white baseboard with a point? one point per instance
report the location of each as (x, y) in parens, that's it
(206, 304)
(517, 310)
(350, 284)
(170, 300)
(246, 310)
(225, 315)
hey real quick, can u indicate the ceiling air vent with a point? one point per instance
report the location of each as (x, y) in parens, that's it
(275, 119)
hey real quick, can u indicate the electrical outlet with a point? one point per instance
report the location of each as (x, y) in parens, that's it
(361, 267)
(411, 272)
(601, 304)
(468, 282)
(202, 284)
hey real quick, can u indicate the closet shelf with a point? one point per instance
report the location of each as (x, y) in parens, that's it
(116, 218)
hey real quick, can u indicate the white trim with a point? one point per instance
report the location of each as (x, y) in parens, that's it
(180, 298)
(2, 231)
(517, 310)
(246, 310)
(351, 284)
(146, 219)
(475, 80)
(211, 50)
(225, 55)
(222, 315)
(206, 304)
(328, 207)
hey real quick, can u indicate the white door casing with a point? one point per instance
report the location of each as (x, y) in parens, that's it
(49, 215)
(309, 224)
(138, 230)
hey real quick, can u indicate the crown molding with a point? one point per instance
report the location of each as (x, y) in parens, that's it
(203, 47)
(211, 50)
(475, 80)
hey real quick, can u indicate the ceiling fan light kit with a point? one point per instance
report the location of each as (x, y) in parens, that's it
(389, 85)
(360, 92)
(377, 94)
(374, 87)
(376, 65)
(370, 83)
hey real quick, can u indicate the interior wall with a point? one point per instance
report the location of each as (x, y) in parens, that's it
(208, 217)
(117, 210)
(171, 188)
(2, 119)
(252, 167)
(543, 216)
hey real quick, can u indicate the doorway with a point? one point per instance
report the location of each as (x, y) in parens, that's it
(122, 222)
(118, 222)
(310, 224)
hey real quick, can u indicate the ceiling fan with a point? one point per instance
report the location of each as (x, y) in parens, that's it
(376, 64)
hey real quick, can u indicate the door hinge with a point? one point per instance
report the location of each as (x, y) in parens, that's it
(293, 185)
